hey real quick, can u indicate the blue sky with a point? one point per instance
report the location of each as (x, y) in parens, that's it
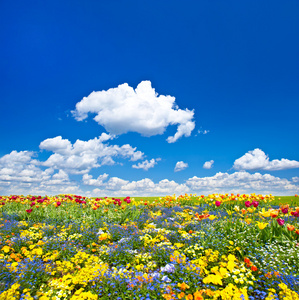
(189, 97)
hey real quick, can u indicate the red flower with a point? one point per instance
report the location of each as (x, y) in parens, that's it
(29, 210)
(280, 221)
(217, 203)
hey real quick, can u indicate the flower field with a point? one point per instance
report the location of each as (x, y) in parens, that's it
(186, 247)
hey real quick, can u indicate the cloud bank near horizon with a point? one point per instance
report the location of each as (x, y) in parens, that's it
(23, 173)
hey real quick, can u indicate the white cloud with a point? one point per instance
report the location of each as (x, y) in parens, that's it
(145, 165)
(242, 182)
(21, 174)
(21, 167)
(123, 109)
(88, 180)
(115, 183)
(295, 179)
(180, 166)
(208, 164)
(238, 182)
(203, 131)
(144, 187)
(258, 160)
(82, 156)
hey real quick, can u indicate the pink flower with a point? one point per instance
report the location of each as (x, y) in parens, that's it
(217, 203)
(247, 203)
(58, 203)
(29, 210)
(255, 203)
(280, 221)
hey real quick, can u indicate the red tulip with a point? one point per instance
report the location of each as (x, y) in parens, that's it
(29, 210)
(217, 203)
(280, 221)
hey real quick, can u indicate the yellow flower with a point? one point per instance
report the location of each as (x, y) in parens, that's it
(6, 249)
(265, 213)
(215, 279)
(261, 225)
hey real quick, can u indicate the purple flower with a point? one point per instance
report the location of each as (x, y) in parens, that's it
(166, 279)
(169, 268)
(280, 221)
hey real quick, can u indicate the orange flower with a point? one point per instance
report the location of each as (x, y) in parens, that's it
(181, 295)
(244, 211)
(247, 261)
(183, 286)
(268, 275)
(167, 296)
(198, 295)
(253, 268)
(276, 274)
(189, 297)
(273, 213)
(297, 231)
(290, 227)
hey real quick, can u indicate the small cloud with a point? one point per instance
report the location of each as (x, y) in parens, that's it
(180, 166)
(208, 164)
(295, 179)
(203, 131)
(145, 165)
(258, 160)
(88, 180)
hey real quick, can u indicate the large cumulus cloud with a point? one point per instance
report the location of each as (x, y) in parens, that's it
(123, 109)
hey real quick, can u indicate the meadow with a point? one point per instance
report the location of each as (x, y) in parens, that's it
(193, 247)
